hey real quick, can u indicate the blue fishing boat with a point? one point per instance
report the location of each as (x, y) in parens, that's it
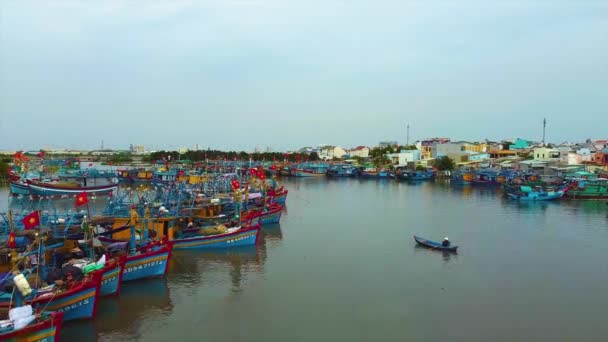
(148, 264)
(234, 237)
(374, 173)
(310, 170)
(537, 193)
(79, 302)
(417, 175)
(51, 189)
(434, 245)
(271, 215)
(343, 170)
(112, 278)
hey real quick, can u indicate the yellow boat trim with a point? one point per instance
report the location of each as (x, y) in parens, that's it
(50, 332)
(71, 301)
(207, 242)
(145, 261)
(113, 274)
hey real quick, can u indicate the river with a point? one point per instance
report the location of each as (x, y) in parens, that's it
(342, 266)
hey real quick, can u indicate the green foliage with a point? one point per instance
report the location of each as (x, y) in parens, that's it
(420, 168)
(121, 158)
(444, 163)
(359, 160)
(230, 155)
(4, 167)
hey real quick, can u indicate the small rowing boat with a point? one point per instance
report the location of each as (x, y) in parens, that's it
(434, 245)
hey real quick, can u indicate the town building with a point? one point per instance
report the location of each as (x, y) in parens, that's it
(359, 151)
(546, 154)
(329, 152)
(404, 157)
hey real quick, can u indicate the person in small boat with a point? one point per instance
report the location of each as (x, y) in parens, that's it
(446, 242)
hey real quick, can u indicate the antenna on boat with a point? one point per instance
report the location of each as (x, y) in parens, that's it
(544, 128)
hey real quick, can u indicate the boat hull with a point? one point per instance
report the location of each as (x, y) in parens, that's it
(148, 264)
(244, 237)
(46, 330)
(303, 173)
(77, 303)
(272, 216)
(281, 198)
(111, 280)
(19, 189)
(40, 189)
(549, 197)
(434, 245)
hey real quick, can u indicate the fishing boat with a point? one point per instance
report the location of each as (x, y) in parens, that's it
(148, 263)
(374, 173)
(58, 189)
(417, 175)
(310, 170)
(234, 237)
(77, 302)
(272, 214)
(462, 177)
(487, 177)
(134, 176)
(588, 189)
(342, 170)
(528, 193)
(278, 196)
(45, 327)
(112, 277)
(434, 245)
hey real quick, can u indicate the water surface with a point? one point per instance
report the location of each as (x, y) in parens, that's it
(342, 266)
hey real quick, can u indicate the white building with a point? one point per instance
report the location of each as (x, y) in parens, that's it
(546, 154)
(359, 151)
(404, 157)
(331, 152)
(580, 156)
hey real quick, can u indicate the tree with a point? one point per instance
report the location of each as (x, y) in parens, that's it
(444, 163)
(314, 156)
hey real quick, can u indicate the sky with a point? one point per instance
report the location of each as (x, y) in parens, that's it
(240, 74)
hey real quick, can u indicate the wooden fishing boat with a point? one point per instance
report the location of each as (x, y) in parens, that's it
(45, 328)
(19, 188)
(588, 189)
(49, 189)
(112, 277)
(341, 170)
(528, 193)
(374, 173)
(237, 237)
(271, 215)
(279, 195)
(78, 302)
(416, 175)
(309, 170)
(148, 263)
(434, 245)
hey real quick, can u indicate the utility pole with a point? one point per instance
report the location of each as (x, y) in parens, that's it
(544, 128)
(407, 142)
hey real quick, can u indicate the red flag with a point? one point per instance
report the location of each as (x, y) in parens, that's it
(81, 199)
(11, 240)
(31, 221)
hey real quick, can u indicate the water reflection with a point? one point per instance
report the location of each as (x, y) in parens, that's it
(446, 256)
(122, 317)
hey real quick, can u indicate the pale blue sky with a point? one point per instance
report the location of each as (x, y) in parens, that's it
(245, 73)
